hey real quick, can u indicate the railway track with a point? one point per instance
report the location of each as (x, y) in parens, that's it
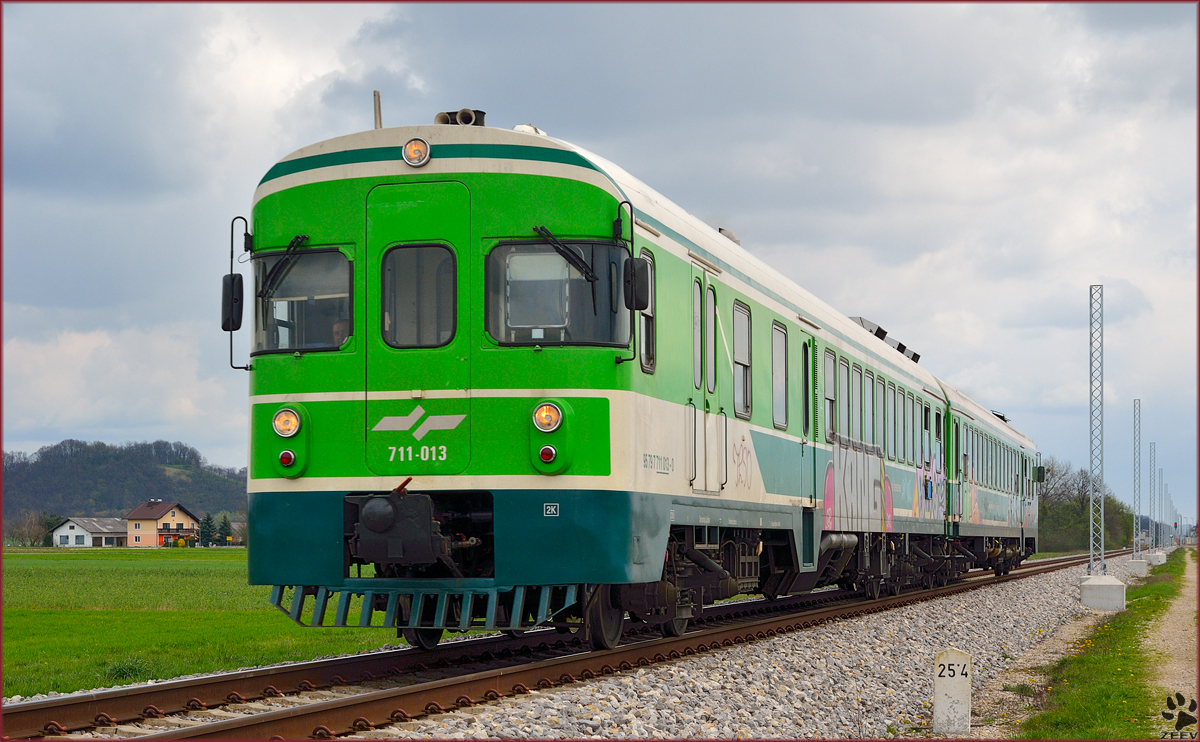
(325, 698)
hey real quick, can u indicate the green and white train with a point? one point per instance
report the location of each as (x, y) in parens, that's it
(498, 382)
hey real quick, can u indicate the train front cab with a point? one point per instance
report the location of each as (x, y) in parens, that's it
(425, 299)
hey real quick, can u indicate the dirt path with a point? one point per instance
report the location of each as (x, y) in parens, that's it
(1172, 640)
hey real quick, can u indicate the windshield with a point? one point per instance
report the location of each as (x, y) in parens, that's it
(306, 305)
(535, 297)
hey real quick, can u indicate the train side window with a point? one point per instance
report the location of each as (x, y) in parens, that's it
(843, 392)
(830, 395)
(937, 425)
(975, 459)
(880, 414)
(987, 462)
(891, 428)
(804, 388)
(868, 407)
(779, 376)
(647, 321)
(710, 341)
(957, 450)
(910, 418)
(924, 430)
(741, 360)
(926, 443)
(986, 451)
(697, 337)
(419, 304)
(856, 404)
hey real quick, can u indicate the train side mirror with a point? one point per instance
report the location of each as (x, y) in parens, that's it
(231, 303)
(637, 284)
(1041, 474)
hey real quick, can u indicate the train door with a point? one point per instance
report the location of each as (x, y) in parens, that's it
(803, 394)
(709, 421)
(418, 286)
(954, 474)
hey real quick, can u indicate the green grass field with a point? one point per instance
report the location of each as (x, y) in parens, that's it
(84, 618)
(1101, 689)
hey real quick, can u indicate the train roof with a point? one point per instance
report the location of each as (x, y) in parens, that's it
(376, 152)
(649, 202)
(693, 234)
(985, 418)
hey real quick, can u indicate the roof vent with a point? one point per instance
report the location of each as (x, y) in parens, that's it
(529, 129)
(461, 117)
(871, 327)
(1000, 415)
(729, 235)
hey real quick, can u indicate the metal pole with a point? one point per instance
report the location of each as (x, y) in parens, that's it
(1137, 478)
(1158, 518)
(1150, 508)
(1096, 563)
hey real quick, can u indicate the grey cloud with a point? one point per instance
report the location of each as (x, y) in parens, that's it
(1134, 17)
(1068, 305)
(92, 103)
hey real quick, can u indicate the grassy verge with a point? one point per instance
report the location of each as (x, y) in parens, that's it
(1101, 689)
(82, 618)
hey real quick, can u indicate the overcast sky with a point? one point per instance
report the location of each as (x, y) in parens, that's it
(959, 174)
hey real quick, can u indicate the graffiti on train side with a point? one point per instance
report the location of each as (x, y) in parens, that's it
(742, 465)
(1016, 511)
(857, 492)
(929, 489)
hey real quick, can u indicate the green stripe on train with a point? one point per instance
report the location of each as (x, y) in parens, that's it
(441, 151)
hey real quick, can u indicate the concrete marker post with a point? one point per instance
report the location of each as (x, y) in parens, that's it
(952, 673)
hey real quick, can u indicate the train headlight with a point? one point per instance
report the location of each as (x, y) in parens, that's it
(286, 423)
(416, 151)
(547, 417)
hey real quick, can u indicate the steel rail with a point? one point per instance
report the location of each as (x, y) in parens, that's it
(77, 712)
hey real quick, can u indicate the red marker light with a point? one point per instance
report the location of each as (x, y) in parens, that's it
(547, 454)
(287, 458)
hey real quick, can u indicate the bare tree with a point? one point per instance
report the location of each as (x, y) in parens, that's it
(26, 529)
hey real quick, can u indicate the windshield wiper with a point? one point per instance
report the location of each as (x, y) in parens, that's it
(280, 269)
(568, 254)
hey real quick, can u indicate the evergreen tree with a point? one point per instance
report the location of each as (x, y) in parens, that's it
(208, 529)
(48, 522)
(225, 530)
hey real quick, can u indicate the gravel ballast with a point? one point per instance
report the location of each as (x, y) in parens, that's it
(865, 677)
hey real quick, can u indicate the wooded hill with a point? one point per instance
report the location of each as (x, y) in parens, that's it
(76, 478)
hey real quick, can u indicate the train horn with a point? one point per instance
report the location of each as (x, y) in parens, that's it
(461, 117)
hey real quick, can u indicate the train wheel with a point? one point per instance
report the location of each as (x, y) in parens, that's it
(674, 627)
(513, 633)
(423, 638)
(605, 620)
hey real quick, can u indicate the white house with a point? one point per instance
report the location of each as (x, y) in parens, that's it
(90, 532)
